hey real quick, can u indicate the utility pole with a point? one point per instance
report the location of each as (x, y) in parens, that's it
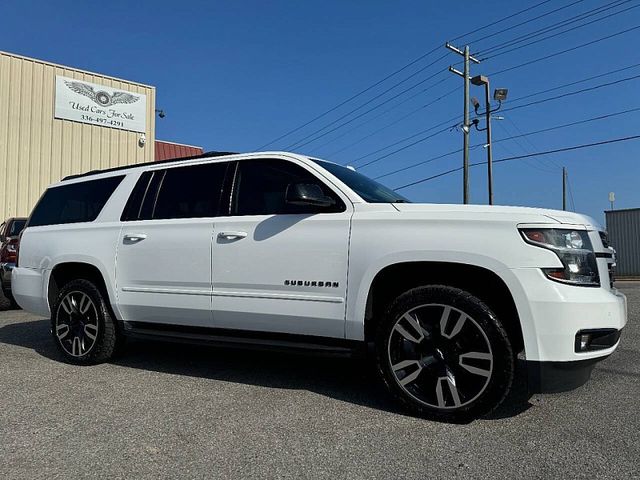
(564, 188)
(465, 126)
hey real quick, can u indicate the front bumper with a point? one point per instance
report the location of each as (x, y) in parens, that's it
(552, 313)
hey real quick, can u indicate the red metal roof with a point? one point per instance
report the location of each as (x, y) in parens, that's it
(169, 150)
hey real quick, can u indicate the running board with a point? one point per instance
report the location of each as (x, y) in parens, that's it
(253, 340)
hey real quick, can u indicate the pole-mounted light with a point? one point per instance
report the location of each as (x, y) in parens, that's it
(499, 95)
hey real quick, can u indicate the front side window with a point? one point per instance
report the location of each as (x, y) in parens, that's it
(261, 186)
(190, 192)
(74, 203)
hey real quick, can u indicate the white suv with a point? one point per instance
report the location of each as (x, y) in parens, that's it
(281, 250)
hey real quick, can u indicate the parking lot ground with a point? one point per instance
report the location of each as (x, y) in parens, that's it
(169, 410)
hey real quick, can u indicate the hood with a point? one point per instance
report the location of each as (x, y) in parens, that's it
(518, 214)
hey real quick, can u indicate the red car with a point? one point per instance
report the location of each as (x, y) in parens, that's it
(9, 234)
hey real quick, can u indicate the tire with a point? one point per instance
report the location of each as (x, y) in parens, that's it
(13, 305)
(82, 326)
(443, 354)
(12, 302)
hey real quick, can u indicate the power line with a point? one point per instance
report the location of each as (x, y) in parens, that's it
(395, 122)
(298, 144)
(583, 15)
(519, 157)
(546, 57)
(508, 17)
(575, 83)
(549, 163)
(550, 28)
(512, 137)
(528, 63)
(530, 163)
(570, 94)
(562, 33)
(540, 92)
(431, 128)
(406, 66)
(448, 122)
(353, 97)
(405, 147)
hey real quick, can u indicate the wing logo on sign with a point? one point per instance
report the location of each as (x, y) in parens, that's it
(101, 97)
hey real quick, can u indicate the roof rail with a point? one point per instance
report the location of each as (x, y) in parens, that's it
(159, 162)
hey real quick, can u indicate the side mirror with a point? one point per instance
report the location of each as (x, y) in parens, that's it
(307, 194)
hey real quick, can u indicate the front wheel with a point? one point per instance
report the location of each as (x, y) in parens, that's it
(81, 323)
(13, 305)
(443, 354)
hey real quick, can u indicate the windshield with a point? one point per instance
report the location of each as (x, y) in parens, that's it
(16, 227)
(370, 190)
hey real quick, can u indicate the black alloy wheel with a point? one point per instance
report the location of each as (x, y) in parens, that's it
(82, 325)
(443, 354)
(77, 324)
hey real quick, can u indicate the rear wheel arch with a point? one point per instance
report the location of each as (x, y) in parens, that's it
(65, 272)
(395, 279)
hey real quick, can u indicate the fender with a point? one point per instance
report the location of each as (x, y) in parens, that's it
(356, 303)
(86, 260)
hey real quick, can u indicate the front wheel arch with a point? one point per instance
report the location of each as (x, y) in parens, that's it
(395, 279)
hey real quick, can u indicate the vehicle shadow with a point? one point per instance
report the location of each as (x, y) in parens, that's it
(345, 379)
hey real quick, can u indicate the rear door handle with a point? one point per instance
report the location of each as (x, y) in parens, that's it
(232, 235)
(135, 237)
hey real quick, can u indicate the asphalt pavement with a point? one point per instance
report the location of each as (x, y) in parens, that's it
(177, 411)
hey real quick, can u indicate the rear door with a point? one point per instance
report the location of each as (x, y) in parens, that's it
(279, 267)
(163, 263)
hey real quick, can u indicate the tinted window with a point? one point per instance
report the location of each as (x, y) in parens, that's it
(370, 190)
(16, 228)
(78, 202)
(134, 203)
(190, 192)
(261, 187)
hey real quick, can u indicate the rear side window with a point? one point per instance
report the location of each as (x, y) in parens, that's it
(74, 203)
(132, 209)
(190, 192)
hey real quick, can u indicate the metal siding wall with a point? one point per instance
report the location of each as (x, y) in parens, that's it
(623, 227)
(37, 150)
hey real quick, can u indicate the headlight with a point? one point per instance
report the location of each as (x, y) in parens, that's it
(574, 250)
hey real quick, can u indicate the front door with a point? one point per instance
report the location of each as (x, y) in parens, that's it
(279, 267)
(163, 262)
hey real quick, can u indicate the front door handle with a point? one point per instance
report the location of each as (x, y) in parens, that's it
(135, 237)
(232, 235)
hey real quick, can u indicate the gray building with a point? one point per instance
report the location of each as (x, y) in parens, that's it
(623, 227)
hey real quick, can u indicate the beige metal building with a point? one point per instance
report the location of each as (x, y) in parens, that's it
(112, 123)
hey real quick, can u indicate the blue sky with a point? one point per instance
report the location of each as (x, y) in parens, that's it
(236, 75)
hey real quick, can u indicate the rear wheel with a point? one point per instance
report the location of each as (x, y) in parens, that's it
(443, 354)
(82, 325)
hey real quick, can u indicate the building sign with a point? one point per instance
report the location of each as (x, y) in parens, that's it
(99, 105)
